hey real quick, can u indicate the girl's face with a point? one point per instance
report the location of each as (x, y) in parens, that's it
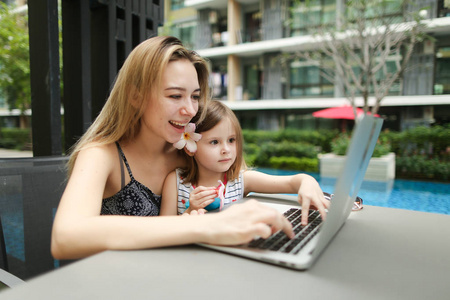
(177, 102)
(216, 150)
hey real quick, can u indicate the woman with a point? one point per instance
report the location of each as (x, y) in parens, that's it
(117, 169)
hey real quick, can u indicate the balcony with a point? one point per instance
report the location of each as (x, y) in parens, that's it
(200, 4)
(296, 43)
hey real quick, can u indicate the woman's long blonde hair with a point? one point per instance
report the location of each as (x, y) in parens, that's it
(215, 112)
(139, 78)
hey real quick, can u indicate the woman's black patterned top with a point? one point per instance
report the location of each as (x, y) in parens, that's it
(134, 199)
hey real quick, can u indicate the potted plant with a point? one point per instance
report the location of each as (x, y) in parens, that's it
(381, 166)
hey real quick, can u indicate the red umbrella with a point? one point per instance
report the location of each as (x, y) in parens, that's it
(340, 112)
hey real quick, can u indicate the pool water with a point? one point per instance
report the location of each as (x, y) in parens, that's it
(399, 193)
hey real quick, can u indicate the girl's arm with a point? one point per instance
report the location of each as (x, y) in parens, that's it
(79, 230)
(307, 188)
(169, 199)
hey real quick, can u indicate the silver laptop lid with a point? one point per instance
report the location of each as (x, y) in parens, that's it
(359, 152)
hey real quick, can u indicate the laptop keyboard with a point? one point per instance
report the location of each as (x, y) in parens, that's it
(303, 234)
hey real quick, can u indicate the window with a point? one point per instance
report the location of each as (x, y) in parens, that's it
(389, 68)
(443, 8)
(442, 71)
(376, 13)
(253, 27)
(219, 79)
(176, 4)
(305, 80)
(252, 82)
(307, 15)
(186, 33)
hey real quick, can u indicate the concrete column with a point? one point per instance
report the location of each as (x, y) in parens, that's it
(234, 78)
(234, 63)
(234, 22)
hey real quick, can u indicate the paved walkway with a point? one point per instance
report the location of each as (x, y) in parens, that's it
(14, 153)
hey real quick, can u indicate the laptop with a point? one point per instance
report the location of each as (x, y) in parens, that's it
(301, 252)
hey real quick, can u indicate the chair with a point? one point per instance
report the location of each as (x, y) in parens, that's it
(7, 280)
(30, 192)
(3, 258)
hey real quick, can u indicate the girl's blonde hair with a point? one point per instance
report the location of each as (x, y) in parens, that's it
(215, 112)
(139, 78)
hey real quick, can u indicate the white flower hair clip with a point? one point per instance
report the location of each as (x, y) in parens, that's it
(188, 140)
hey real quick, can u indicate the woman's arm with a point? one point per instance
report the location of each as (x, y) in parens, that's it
(307, 188)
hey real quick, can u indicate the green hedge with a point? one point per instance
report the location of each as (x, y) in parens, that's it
(429, 141)
(15, 138)
(319, 138)
(294, 163)
(287, 149)
(340, 144)
(420, 167)
(262, 155)
(422, 152)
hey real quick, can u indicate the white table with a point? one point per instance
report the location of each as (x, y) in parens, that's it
(380, 253)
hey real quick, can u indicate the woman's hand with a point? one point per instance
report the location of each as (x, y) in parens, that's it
(311, 195)
(201, 197)
(241, 223)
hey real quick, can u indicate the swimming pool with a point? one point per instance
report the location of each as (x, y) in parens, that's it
(399, 193)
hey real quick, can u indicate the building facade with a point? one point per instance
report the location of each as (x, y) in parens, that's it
(243, 38)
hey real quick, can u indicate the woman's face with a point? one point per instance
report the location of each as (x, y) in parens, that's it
(177, 102)
(216, 150)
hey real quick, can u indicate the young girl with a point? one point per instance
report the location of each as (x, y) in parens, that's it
(118, 167)
(219, 158)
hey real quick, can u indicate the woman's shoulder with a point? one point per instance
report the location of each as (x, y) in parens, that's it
(95, 163)
(95, 153)
(172, 178)
(95, 149)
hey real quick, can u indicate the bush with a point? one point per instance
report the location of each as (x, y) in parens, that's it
(259, 136)
(15, 138)
(295, 163)
(287, 149)
(319, 138)
(422, 152)
(251, 152)
(418, 166)
(428, 141)
(340, 144)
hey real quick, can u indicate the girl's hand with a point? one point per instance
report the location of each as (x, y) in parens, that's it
(311, 195)
(241, 223)
(201, 197)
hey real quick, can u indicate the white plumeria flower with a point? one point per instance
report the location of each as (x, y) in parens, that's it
(189, 139)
